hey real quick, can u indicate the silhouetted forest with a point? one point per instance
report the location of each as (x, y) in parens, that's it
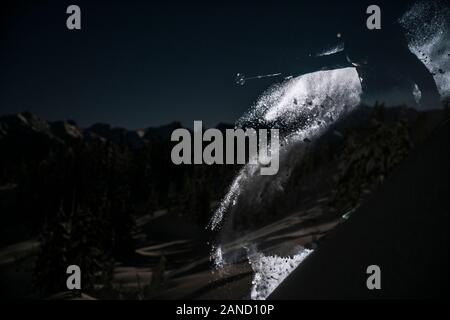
(80, 191)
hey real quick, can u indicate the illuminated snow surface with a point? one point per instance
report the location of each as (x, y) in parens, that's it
(319, 99)
(270, 271)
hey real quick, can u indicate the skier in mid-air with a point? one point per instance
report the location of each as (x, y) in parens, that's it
(389, 72)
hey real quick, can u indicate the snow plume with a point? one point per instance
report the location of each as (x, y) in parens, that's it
(427, 27)
(308, 104)
(303, 108)
(270, 271)
(217, 257)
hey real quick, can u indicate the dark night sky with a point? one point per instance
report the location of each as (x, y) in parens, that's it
(138, 64)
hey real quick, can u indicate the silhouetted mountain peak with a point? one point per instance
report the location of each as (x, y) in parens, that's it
(23, 122)
(162, 132)
(117, 135)
(66, 130)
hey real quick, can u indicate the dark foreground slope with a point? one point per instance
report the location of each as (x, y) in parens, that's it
(404, 228)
